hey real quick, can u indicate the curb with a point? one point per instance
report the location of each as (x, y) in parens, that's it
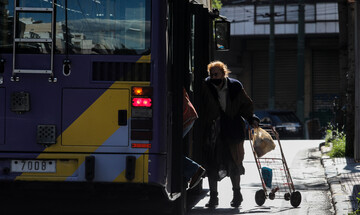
(340, 199)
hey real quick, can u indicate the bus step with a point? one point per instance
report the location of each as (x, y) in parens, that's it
(32, 71)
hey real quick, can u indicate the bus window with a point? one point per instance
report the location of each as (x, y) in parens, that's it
(30, 25)
(222, 35)
(6, 27)
(92, 26)
(34, 25)
(105, 27)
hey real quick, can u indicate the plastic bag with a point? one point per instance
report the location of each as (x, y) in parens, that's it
(263, 142)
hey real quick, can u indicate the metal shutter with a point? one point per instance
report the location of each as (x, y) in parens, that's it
(260, 79)
(285, 79)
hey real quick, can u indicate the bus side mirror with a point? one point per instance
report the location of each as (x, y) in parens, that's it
(222, 35)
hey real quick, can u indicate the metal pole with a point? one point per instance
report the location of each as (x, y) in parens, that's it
(300, 62)
(272, 57)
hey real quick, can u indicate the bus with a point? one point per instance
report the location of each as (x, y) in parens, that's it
(91, 90)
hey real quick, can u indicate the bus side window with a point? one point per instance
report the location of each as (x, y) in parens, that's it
(222, 35)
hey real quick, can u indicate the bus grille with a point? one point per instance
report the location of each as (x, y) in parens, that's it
(120, 71)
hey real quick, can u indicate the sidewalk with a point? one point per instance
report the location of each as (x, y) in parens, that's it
(343, 176)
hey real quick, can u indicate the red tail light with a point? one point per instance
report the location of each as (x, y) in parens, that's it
(141, 145)
(141, 102)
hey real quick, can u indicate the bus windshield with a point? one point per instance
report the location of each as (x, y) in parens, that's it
(86, 26)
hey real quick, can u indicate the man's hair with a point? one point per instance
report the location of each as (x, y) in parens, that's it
(220, 65)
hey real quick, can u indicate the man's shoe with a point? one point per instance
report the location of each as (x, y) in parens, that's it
(196, 177)
(237, 199)
(214, 200)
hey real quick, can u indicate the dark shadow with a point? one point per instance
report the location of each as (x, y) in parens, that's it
(350, 178)
(314, 129)
(354, 196)
(321, 145)
(195, 196)
(203, 210)
(351, 165)
(256, 209)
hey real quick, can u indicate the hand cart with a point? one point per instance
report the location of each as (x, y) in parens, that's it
(274, 173)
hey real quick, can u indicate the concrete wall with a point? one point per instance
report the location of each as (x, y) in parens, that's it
(243, 21)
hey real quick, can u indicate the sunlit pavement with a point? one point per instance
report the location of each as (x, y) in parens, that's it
(296, 154)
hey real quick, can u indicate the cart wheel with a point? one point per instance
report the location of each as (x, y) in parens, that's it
(260, 197)
(295, 199)
(272, 196)
(287, 196)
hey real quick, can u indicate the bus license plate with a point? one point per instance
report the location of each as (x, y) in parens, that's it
(46, 166)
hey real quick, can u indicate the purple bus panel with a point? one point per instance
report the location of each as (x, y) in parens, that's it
(2, 116)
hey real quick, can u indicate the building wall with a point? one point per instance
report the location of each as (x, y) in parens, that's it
(242, 18)
(248, 59)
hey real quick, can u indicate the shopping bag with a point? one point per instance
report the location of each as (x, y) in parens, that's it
(189, 112)
(263, 142)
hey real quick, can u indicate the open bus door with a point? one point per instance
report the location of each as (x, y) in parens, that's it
(182, 58)
(191, 45)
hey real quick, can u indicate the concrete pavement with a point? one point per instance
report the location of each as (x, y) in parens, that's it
(343, 176)
(303, 158)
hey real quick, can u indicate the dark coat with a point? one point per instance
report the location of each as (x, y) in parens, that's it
(239, 106)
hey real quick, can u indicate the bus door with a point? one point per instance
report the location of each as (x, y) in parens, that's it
(189, 54)
(200, 55)
(202, 48)
(193, 51)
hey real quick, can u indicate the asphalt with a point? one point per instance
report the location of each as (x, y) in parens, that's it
(343, 176)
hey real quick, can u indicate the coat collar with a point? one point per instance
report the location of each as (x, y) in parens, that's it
(233, 85)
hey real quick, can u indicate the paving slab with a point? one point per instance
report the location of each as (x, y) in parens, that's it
(343, 176)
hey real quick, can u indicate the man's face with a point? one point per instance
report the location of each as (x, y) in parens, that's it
(216, 73)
